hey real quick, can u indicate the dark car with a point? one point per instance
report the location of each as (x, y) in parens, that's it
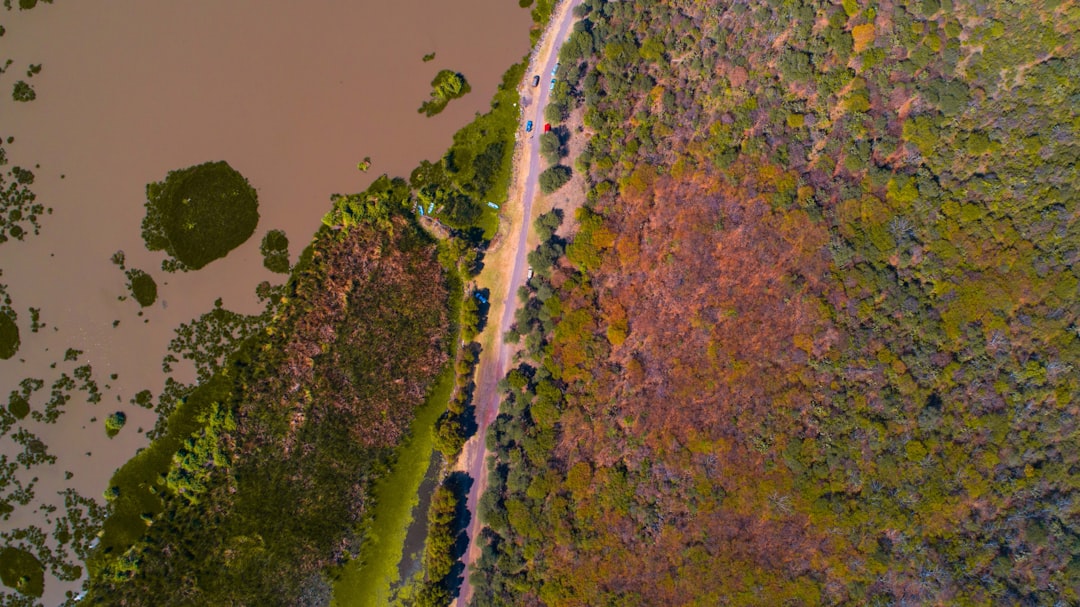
(536, 80)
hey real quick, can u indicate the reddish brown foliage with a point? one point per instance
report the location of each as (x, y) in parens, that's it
(719, 295)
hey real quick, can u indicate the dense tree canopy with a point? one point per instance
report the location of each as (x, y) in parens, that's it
(815, 340)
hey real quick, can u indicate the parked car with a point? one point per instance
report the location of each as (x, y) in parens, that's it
(547, 127)
(552, 87)
(528, 126)
(536, 80)
(555, 69)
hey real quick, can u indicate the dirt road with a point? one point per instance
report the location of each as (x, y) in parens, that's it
(506, 269)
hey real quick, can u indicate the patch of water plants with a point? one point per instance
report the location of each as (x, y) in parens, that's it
(275, 251)
(199, 214)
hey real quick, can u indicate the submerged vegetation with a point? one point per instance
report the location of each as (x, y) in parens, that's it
(199, 214)
(445, 87)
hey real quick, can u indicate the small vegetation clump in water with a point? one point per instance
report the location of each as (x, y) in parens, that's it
(21, 571)
(19, 209)
(447, 86)
(22, 91)
(25, 5)
(199, 214)
(142, 287)
(9, 331)
(275, 251)
(18, 406)
(114, 423)
(9, 336)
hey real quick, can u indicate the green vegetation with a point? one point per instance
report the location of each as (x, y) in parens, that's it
(289, 483)
(18, 406)
(475, 170)
(22, 91)
(25, 5)
(554, 178)
(199, 214)
(275, 251)
(142, 287)
(21, 571)
(9, 336)
(447, 520)
(370, 578)
(114, 423)
(429, 57)
(814, 340)
(445, 87)
(19, 210)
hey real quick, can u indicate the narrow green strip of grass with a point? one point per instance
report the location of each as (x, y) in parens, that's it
(367, 580)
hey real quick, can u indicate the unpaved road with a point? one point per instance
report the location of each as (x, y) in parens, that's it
(509, 266)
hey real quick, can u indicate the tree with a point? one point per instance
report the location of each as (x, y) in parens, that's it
(554, 178)
(551, 148)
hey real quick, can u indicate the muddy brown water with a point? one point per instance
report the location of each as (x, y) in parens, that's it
(291, 94)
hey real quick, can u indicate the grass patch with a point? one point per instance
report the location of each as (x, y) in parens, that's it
(22, 571)
(199, 214)
(368, 579)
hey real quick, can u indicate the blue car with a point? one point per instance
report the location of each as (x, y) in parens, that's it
(552, 87)
(528, 126)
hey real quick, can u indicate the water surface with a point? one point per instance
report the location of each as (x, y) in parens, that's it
(291, 94)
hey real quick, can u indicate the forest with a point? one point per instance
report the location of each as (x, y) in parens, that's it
(815, 337)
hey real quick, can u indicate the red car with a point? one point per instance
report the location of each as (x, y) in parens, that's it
(547, 128)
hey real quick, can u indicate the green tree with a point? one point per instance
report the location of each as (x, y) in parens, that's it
(554, 178)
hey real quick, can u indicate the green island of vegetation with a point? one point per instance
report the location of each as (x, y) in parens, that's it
(199, 214)
(22, 91)
(275, 251)
(18, 406)
(21, 571)
(9, 336)
(142, 287)
(445, 87)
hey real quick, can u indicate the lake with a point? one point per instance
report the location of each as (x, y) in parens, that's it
(291, 97)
